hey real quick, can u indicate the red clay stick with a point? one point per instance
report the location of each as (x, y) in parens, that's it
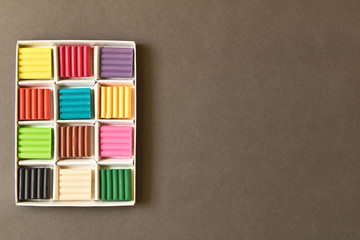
(47, 103)
(73, 61)
(86, 61)
(40, 103)
(21, 103)
(80, 61)
(27, 103)
(67, 62)
(62, 61)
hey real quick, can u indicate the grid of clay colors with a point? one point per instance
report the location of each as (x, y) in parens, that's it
(75, 139)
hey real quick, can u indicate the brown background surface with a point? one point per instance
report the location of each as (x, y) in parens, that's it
(248, 118)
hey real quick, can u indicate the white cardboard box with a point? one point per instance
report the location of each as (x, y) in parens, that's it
(95, 162)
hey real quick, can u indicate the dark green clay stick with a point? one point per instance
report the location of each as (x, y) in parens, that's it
(127, 184)
(121, 185)
(108, 184)
(103, 184)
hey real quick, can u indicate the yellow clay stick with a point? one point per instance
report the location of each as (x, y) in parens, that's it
(35, 57)
(128, 101)
(35, 50)
(41, 63)
(108, 102)
(115, 111)
(121, 102)
(35, 68)
(35, 75)
(103, 102)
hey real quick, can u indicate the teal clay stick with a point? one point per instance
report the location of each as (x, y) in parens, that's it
(84, 115)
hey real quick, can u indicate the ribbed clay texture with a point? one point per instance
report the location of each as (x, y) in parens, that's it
(116, 141)
(34, 104)
(116, 102)
(75, 141)
(116, 62)
(75, 184)
(115, 184)
(34, 143)
(34, 183)
(75, 103)
(35, 63)
(75, 61)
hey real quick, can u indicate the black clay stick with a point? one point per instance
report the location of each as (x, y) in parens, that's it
(27, 183)
(33, 183)
(39, 183)
(21, 183)
(46, 193)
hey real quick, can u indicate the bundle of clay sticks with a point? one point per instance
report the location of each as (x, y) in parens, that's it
(34, 183)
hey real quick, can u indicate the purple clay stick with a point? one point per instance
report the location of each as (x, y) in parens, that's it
(117, 50)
